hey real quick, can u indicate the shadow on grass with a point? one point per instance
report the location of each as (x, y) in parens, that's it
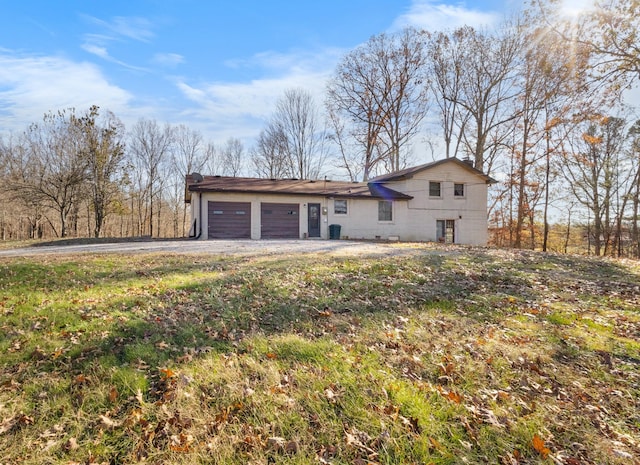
(232, 298)
(129, 318)
(104, 240)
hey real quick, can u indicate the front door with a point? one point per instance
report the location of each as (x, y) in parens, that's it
(314, 220)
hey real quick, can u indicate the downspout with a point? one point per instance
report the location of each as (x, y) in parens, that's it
(198, 219)
(193, 228)
(199, 214)
(197, 178)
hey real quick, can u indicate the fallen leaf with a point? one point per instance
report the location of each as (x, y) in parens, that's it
(436, 445)
(275, 443)
(454, 396)
(538, 445)
(447, 369)
(71, 444)
(291, 447)
(167, 373)
(113, 394)
(108, 422)
(80, 379)
(623, 454)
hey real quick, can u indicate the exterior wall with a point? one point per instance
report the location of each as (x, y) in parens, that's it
(256, 200)
(415, 220)
(361, 220)
(469, 211)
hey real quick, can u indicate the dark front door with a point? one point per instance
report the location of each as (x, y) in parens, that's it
(314, 220)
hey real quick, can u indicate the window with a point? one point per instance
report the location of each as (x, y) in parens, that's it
(435, 189)
(385, 210)
(340, 207)
(458, 190)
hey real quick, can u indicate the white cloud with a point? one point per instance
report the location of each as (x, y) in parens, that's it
(96, 50)
(168, 59)
(135, 28)
(118, 30)
(434, 15)
(240, 109)
(31, 86)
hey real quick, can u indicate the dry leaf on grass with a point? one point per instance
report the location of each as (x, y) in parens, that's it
(538, 445)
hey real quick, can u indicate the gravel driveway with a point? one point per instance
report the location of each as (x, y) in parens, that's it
(226, 247)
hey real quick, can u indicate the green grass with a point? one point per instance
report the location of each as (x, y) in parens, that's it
(434, 357)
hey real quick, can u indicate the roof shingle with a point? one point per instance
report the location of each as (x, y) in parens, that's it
(326, 188)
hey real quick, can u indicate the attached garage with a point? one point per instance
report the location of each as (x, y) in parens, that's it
(229, 220)
(280, 221)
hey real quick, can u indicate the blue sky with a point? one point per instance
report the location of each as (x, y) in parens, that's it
(216, 66)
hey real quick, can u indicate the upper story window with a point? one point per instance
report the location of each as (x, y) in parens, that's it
(385, 210)
(458, 190)
(340, 207)
(435, 189)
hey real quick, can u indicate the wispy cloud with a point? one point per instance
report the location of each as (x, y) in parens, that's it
(168, 59)
(434, 15)
(241, 109)
(32, 85)
(102, 52)
(96, 50)
(136, 28)
(119, 29)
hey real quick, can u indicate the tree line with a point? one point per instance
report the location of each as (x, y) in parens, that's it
(537, 102)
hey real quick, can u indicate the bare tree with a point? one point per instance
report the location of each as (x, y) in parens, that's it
(232, 155)
(213, 163)
(347, 146)
(296, 123)
(405, 94)
(446, 65)
(634, 191)
(480, 95)
(150, 147)
(51, 170)
(269, 156)
(188, 156)
(378, 94)
(19, 200)
(549, 80)
(608, 31)
(591, 167)
(103, 150)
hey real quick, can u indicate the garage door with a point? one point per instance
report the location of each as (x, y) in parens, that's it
(280, 220)
(229, 220)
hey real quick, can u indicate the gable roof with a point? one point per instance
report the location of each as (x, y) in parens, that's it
(326, 188)
(410, 172)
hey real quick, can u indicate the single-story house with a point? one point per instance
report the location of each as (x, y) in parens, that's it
(444, 201)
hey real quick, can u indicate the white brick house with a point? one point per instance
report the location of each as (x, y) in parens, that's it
(444, 201)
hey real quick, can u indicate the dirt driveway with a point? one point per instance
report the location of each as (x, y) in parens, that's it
(227, 247)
